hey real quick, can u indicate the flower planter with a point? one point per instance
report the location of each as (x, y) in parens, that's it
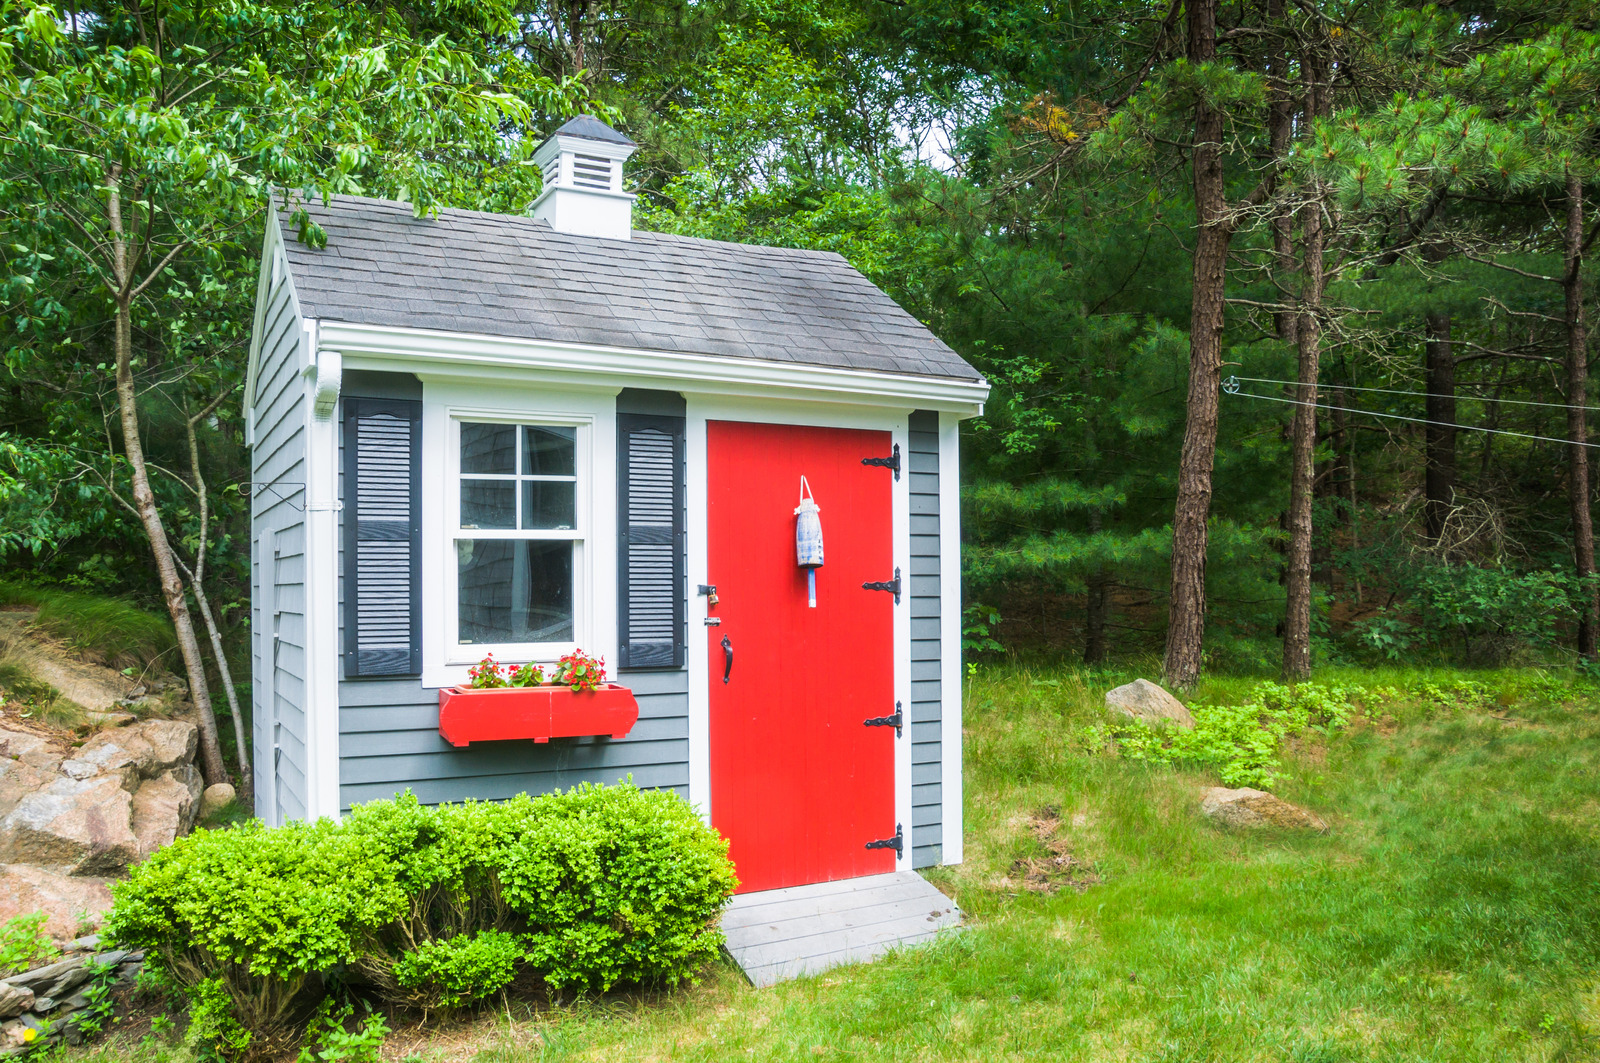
(541, 713)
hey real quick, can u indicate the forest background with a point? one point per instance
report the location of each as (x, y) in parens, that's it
(1283, 301)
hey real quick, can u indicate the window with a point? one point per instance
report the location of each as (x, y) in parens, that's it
(518, 540)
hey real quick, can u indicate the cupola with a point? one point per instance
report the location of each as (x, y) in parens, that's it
(582, 167)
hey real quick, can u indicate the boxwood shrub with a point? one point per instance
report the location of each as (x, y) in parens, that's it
(426, 907)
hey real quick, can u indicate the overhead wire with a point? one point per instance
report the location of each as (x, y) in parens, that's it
(1426, 395)
(1231, 387)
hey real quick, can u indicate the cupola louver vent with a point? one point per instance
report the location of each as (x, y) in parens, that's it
(582, 168)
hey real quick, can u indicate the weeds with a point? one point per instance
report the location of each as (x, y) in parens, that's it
(24, 944)
(110, 630)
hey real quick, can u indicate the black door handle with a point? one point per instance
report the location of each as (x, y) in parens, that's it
(727, 658)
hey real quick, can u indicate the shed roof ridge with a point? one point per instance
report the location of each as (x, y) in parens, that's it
(783, 250)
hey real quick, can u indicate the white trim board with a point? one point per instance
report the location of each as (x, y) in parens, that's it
(488, 357)
(446, 398)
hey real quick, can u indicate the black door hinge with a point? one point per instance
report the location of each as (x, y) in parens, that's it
(887, 585)
(891, 462)
(897, 843)
(897, 720)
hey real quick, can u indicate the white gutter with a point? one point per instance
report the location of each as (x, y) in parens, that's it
(478, 354)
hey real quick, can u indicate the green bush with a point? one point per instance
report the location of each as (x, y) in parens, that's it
(249, 922)
(436, 908)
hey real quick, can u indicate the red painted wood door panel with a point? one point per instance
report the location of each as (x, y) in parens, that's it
(798, 784)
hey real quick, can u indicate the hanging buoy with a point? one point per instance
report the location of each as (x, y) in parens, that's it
(808, 538)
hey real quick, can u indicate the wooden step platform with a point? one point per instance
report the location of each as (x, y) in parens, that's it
(780, 934)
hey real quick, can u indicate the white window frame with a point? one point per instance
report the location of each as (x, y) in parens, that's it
(583, 468)
(447, 403)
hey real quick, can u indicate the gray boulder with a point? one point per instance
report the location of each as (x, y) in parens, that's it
(20, 743)
(17, 780)
(77, 826)
(67, 901)
(14, 1000)
(165, 808)
(217, 796)
(124, 753)
(1145, 702)
(1248, 809)
(172, 742)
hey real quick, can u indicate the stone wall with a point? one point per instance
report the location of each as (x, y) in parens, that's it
(51, 1003)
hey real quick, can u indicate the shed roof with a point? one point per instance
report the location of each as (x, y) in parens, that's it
(468, 271)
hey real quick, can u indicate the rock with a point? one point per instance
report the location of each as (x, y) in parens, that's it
(216, 797)
(1249, 809)
(173, 742)
(123, 753)
(1147, 703)
(87, 943)
(67, 901)
(18, 780)
(55, 980)
(14, 999)
(166, 807)
(20, 743)
(79, 826)
(190, 776)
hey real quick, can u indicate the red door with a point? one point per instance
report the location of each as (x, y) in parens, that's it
(799, 785)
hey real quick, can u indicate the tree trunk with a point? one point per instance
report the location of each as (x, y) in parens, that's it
(1280, 132)
(144, 500)
(1577, 419)
(1186, 625)
(197, 584)
(1303, 441)
(1439, 487)
(1303, 446)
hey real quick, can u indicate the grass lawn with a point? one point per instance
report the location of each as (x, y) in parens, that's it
(1451, 914)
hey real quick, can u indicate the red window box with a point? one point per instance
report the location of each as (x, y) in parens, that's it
(541, 713)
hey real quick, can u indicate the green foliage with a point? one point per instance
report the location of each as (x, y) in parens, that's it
(1241, 742)
(24, 944)
(461, 970)
(329, 1040)
(977, 621)
(437, 908)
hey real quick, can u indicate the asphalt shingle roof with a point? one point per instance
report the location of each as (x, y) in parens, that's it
(467, 271)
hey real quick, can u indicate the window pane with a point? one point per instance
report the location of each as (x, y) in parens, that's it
(513, 590)
(488, 503)
(490, 448)
(549, 504)
(549, 451)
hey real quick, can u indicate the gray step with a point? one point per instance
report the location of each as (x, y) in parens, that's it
(780, 934)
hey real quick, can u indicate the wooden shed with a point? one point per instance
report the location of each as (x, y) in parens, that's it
(481, 434)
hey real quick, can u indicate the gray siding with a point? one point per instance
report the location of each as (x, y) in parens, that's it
(922, 466)
(389, 728)
(389, 742)
(278, 564)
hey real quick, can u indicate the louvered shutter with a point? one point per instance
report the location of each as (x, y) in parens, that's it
(650, 514)
(382, 537)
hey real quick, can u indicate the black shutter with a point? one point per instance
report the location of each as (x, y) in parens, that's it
(382, 537)
(650, 554)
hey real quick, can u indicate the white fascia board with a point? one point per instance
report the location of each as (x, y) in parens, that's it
(274, 265)
(476, 354)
